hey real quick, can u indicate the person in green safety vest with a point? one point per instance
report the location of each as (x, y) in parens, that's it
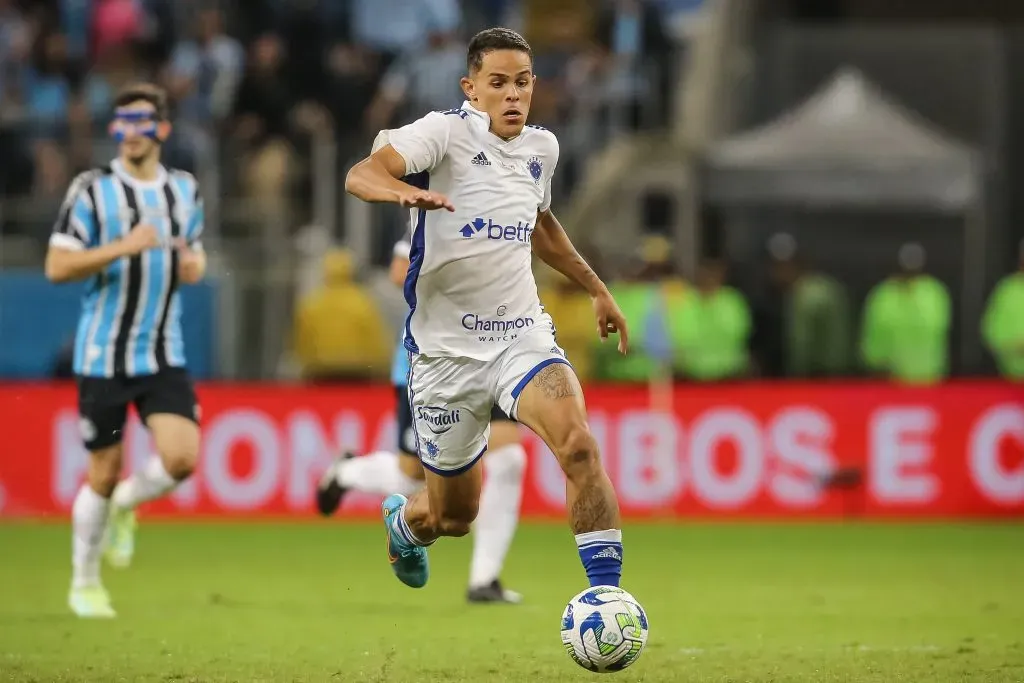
(905, 332)
(651, 291)
(710, 328)
(817, 325)
(1003, 324)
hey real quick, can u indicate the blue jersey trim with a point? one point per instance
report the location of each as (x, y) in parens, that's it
(418, 242)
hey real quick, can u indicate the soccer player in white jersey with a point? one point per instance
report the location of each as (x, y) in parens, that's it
(384, 472)
(476, 331)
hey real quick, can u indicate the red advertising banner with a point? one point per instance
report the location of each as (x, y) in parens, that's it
(758, 450)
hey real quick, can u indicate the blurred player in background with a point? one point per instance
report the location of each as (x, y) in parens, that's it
(384, 472)
(132, 231)
(481, 182)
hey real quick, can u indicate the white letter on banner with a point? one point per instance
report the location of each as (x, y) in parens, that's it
(901, 450)
(800, 437)
(706, 434)
(996, 482)
(310, 452)
(649, 471)
(257, 488)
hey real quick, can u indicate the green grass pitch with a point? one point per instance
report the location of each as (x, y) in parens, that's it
(727, 603)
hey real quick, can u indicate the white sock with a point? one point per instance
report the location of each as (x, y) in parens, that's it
(499, 513)
(151, 482)
(88, 524)
(377, 472)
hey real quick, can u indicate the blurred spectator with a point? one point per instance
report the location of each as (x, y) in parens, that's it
(644, 298)
(570, 308)
(635, 63)
(1003, 325)
(392, 27)
(558, 31)
(262, 124)
(816, 315)
(76, 22)
(338, 332)
(202, 78)
(16, 36)
(114, 23)
(906, 323)
(421, 81)
(379, 33)
(711, 328)
(46, 88)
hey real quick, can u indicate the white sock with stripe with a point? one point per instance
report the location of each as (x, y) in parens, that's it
(496, 521)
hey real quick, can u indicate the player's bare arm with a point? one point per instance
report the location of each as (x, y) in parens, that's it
(553, 246)
(397, 270)
(68, 265)
(377, 179)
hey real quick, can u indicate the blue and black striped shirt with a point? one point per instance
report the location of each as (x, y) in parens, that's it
(131, 311)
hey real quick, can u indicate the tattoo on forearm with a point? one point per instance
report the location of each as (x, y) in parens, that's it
(591, 511)
(556, 381)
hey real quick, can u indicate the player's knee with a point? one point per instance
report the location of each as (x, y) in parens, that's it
(180, 463)
(577, 453)
(103, 481)
(105, 470)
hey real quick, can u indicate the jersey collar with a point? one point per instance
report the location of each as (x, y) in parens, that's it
(121, 172)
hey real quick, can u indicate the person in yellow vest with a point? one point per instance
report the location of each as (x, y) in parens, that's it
(1003, 324)
(710, 328)
(338, 332)
(905, 332)
(572, 312)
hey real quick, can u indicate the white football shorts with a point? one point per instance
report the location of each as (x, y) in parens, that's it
(452, 398)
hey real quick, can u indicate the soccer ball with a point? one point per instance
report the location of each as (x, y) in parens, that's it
(604, 629)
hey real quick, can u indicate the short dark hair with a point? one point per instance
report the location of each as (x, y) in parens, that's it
(144, 92)
(492, 39)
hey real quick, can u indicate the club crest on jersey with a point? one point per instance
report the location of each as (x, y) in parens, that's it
(536, 168)
(431, 448)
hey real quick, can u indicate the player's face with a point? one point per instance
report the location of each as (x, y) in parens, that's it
(503, 87)
(139, 131)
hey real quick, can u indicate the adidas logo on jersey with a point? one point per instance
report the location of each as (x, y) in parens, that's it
(609, 552)
(480, 160)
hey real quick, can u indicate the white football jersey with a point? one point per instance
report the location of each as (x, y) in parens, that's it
(470, 288)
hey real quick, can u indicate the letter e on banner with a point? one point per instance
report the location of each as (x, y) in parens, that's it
(901, 450)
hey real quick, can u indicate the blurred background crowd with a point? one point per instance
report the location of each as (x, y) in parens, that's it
(773, 188)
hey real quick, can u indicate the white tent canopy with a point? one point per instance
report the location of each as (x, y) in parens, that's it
(846, 145)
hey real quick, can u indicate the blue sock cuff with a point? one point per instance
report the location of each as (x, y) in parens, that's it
(601, 555)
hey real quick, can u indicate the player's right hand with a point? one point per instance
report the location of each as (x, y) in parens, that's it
(139, 239)
(425, 199)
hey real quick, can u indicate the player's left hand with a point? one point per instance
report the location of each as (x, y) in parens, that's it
(191, 264)
(611, 320)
